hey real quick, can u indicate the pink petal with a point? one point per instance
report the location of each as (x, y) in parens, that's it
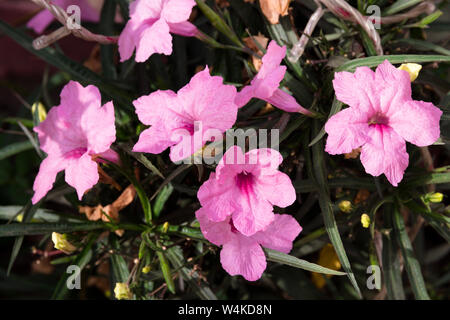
(41, 21)
(155, 38)
(82, 174)
(277, 189)
(254, 213)
(265, 86)
(231, 163)
(272, 59)
(127, 40)
(109, 155)
(268, 160)
(347, 130)
(176, 11)
(186, 146)
(244, 96)
(243, 256)
(46, 176)
(280, 234)
(215, 232)
(217, 197)
(156, 107)
(98, 123)
(153, 140)
(357, 89)
(284, 101)
(141, 10)
(385, 152)
(417, 122)
(185, 29)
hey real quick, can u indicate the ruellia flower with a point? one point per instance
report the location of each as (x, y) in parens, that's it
(74, 135)
(44, 18)
(265, 85)
(246, 187)
(381, 117)
(182, 120)
(150, 25)
(241, 254)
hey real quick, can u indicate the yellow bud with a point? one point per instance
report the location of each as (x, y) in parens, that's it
(365, 220)
(345, 206)
(146, 269)
(42, 114)
(19, 218)
(122, 291)
(412, 68)
(328, 259)
(436, 197)
(165, 227)
(61, 243)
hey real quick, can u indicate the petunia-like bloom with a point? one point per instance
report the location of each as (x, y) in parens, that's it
(150, 25)
(246, 187)
(44, 18)
(182, 120)
(381, 117)
(75, 133)
(241, 254)
(265, 85)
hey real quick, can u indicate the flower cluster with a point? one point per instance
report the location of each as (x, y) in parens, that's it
(237, 201)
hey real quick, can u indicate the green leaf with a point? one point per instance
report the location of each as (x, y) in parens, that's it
(423, 45)
(82, 259)
(28, 212)
(394, 59)
(161, 199)
(429, 19)
(21, 229)
(175, 255)
(335, 108)
(400, 5)
(429, 178)
(145, 161)
(391, 268)
(327, 212)
(165, 268)
(15, 148)
(106, 27)
(41, 215)
(280, 257)
(412, 265)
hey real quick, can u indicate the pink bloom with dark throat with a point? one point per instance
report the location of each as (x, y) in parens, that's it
(265, 85)
(182, 120)
(75, 133)
(381, 117)
(241, 254)
(246, 187)
(151, 22)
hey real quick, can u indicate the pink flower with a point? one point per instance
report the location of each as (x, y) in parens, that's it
(72, 134)
(150, 25)
(382, 115)
(182, 120)
(265, 84)
(243, 254)
(44, 18)
(246, 187)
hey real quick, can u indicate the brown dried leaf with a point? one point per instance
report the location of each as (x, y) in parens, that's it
(262, 42)
(272, 9)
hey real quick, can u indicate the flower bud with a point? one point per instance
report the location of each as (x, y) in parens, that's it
(146, 269)
(365, 220)
(165, 227)
(122, 291)
(42, 114)
(412, 68)
(345, 206)
(61, 243)
(435, 197)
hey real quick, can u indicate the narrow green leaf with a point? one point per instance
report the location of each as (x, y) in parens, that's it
(15, 148)
(161, 199)
(106, 27)
(412, 265)
(400, 5)
(165, 268)
(175, 255)
(41, 215)
(280, 257)
(423, 45)
(429, 178)
(335, 108)
(21, 229)
(394, 59)
(391, 268)
(327, 212)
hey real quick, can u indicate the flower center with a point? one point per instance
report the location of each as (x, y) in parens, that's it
(378, 119)
(244, 181)
(233, 228)
(75, 153)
